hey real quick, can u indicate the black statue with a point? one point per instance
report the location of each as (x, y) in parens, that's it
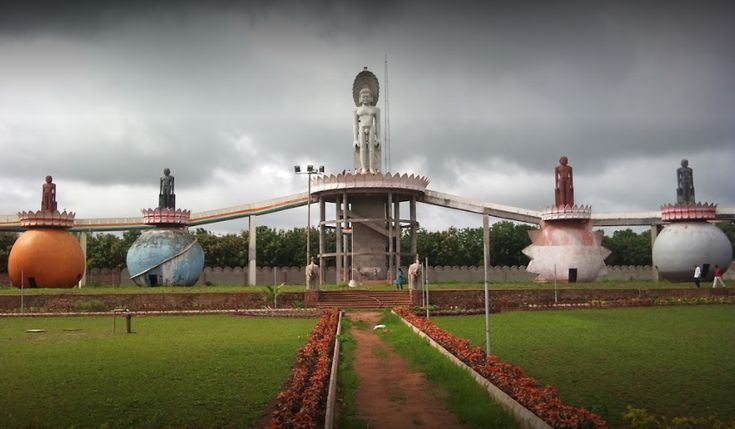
(166, 196)
(685, 184)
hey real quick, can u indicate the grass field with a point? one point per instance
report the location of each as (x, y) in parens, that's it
(673, 361)
(204, 371)
(93, 290)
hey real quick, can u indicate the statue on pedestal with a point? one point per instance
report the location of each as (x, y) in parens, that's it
(685, 184)
(564, 189)
(366, 123)
(166, 195)
(312, 276)
(48, 195)
(414, 275)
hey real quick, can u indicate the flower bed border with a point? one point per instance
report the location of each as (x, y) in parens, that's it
(302, 402)
(515, 386)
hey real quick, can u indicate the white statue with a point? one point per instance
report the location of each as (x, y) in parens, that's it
(414, 275)
(312, 276)
(366, 123)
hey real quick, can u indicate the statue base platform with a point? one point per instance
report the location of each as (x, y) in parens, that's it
(688, 212)
(359, 180)
(48, 219)
(567, 213)
(166, 217)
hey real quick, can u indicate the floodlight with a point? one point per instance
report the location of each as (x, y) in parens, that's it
(297, 169)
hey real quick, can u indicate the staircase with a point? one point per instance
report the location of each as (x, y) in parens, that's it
(363, 299)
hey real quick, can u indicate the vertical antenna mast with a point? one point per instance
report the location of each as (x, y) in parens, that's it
(386, 119)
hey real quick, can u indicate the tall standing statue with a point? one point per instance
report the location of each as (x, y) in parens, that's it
(685, 184)
(366, 123)
(48, 195)
(312, 275)
(564, 189)
(166, 196)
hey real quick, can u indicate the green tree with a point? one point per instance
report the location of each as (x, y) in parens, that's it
(106, 250)
(729, 230)
(628, 247)
(7, 239)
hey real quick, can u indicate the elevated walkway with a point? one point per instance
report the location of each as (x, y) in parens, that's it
(363, 299)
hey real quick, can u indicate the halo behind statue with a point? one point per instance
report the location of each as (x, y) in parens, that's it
(365, 79)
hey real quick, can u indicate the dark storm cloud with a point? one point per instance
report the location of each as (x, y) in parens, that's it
(112, 92)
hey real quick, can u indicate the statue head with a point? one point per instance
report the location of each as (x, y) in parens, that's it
(49, 179)
(166, 171)
(563, 160)
(685, 163)
(366, 96)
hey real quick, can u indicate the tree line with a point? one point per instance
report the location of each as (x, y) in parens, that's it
(280, 247)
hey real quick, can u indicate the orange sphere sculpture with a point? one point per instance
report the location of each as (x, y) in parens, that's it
(47, 258)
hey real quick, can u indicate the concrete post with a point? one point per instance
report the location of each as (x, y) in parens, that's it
(322, 239)
(389, 217)
(345, 274)
(397, 220)
(414, 224)
(83, 245)
(654, 234)
(251, 251)
(338, 232)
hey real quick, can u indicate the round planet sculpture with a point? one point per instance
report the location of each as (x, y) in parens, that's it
(166, 255)
(689, 240)
(46, 255)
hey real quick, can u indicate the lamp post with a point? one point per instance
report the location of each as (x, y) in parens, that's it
(309, 171)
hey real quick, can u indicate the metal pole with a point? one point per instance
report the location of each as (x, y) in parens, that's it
(426, 286)
(485, 260)
(556, 291)
(308, 222)
(22, 278)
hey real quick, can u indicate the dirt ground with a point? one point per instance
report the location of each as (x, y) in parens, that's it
(390, 395)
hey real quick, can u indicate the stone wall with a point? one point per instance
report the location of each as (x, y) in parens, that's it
(295, 275)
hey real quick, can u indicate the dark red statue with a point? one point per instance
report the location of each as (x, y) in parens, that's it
(48, 195)
(564, 191)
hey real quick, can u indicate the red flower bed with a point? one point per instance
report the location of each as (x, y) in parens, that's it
(301, 404)
(543, 401)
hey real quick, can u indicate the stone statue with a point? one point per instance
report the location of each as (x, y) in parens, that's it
(564, 190)
(48, 195)
(414, 275)
(312, 276)
(366, 123)
(685, 184)
(166, 196)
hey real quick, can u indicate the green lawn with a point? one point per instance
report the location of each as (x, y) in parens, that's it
(204, 371)
(671, 361)
(92, 290)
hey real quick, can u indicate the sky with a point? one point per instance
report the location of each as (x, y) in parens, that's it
(483, 100)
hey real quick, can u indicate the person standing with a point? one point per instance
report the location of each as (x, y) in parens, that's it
(697, 275)
(400, 279)
(718, 277)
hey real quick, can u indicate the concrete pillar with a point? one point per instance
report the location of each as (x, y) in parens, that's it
(391, 233)
(338, 232)
(397, 220)
(345, 206)
(252, 268)
(654, 234)
(322, 239)
(83, 245)
(414, 225)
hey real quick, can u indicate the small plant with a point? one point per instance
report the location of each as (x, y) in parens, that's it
(270, 294)
(638, 418)
(297, 304)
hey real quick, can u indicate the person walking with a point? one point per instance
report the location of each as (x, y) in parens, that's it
(697, 275)
(400, 279)
(718, 277)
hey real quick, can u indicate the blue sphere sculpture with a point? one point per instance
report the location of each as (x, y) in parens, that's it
(165, 257)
